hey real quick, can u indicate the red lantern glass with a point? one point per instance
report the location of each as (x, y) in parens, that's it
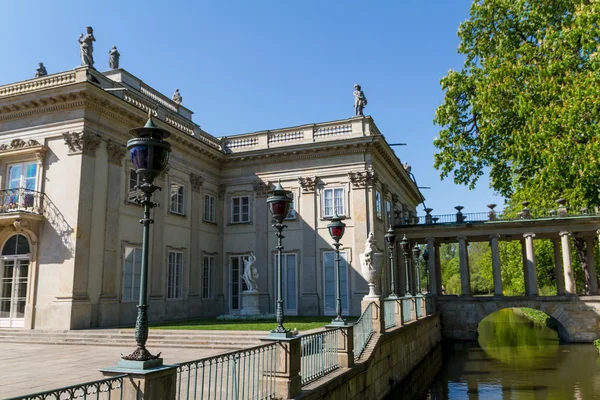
(336, 232)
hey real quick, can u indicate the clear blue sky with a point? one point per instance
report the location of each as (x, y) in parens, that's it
(244, 66)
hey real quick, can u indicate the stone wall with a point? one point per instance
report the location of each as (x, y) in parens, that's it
(393, 357)
(578, 317)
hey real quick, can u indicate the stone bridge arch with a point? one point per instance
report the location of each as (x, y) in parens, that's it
(578, 318)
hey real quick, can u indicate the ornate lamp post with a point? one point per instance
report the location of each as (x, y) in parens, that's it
(336, 230)
(417, 253)
(426, 258)
(149, 154)
(390, 238)
(404, 245)
(279, 206)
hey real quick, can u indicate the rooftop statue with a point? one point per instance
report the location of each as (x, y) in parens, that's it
(177, 97)
(86, 47)
(360, 101)
(113, 58)
(41, 71)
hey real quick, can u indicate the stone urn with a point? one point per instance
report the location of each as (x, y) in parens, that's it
(371, 263)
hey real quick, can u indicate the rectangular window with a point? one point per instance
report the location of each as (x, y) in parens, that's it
(388, 213)
(174, 274)
(176, 204)
(333, 198)
(21, 185)
(134, 181)
(292, 212)
(290, 282)
(330, 282)
(208, 277)
(132, 267)
(240, 209)
(209, 208)
(378, 213)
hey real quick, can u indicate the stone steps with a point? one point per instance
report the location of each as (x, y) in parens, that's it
(93, 337)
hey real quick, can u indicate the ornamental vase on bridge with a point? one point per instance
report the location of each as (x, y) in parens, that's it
(371, 262)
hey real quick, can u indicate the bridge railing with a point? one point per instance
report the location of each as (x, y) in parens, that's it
(390, 308)
(363, 330)
(319, 355)
(243, 374)
(103, 389)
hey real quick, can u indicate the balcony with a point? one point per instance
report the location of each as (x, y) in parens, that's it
(22, 204)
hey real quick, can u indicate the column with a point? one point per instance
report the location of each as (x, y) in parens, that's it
(531, 289)
(524, 264)
(589, 246)
(558, 268)
(438, 268)
(401, 288)
(568, 267)
(433, 278)
(496, 265)
(465, 279)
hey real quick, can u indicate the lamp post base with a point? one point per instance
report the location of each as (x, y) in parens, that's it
(147, 364)
(280, 335)
(338, 322)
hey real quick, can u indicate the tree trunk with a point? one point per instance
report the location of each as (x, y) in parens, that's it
(580, 250)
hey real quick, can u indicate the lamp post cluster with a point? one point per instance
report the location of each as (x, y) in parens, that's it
(390, 239)
(149, 154)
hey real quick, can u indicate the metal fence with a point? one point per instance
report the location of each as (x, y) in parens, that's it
(406, 305)
(363, 330)
(318, 355)
(239, 375)
(419, 305)
(22, 200)
(389, 311)
(103, 389)
(429, 304)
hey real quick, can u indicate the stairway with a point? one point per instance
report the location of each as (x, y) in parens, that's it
(125, 337)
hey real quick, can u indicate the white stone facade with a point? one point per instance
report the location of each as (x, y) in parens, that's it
(80, 268)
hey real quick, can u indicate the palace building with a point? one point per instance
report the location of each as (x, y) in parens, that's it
(70, 236)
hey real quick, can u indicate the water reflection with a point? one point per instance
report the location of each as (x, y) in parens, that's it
(518, 361)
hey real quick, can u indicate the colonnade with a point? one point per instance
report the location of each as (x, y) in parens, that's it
(565, 280)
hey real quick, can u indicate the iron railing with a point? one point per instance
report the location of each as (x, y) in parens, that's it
(319, 355)
(363, 330)
(103, 389)
(419, 305)
(238, 375)
(22, 200)
(429, 304)
(389, 311)
(480, 217)
(406, 305)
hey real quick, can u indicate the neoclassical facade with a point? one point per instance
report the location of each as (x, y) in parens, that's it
(69, 227)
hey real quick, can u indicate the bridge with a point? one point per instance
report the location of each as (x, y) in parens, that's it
(577, 315)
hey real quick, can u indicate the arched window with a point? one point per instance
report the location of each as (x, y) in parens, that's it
(16, 245)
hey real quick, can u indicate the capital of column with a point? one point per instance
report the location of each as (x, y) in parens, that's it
(529, 235)
(494, 236)
(459, 238)
(430, 239)
(564, 233)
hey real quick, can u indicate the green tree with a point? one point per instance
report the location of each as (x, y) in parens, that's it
(526, 103)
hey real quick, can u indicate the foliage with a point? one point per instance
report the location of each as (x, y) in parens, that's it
(597, 344)
(300, 323)
(526, 102)
(539, 318)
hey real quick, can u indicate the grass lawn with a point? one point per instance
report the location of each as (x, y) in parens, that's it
(300, 323)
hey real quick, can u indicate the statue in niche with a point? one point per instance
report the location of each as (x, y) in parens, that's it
(113, 58)
(86, 47)
(250, 275)
(40, 71)
(177, 97)
(360, 101)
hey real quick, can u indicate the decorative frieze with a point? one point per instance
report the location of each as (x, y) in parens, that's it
(197, 181)
(261, 188)
(116, 152)
(308, 184)
(363, 178)
(82, 142)
(19, 144)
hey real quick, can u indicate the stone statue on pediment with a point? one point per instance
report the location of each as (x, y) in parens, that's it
(113, 58)
(86, 47)
(177, 97)
(360, 101)
(40, 71)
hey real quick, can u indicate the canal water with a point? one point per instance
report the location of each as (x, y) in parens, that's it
(513, 359)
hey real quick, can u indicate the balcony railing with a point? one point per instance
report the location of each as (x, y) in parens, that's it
(103, 389)
(319, 355)
(22, 200)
